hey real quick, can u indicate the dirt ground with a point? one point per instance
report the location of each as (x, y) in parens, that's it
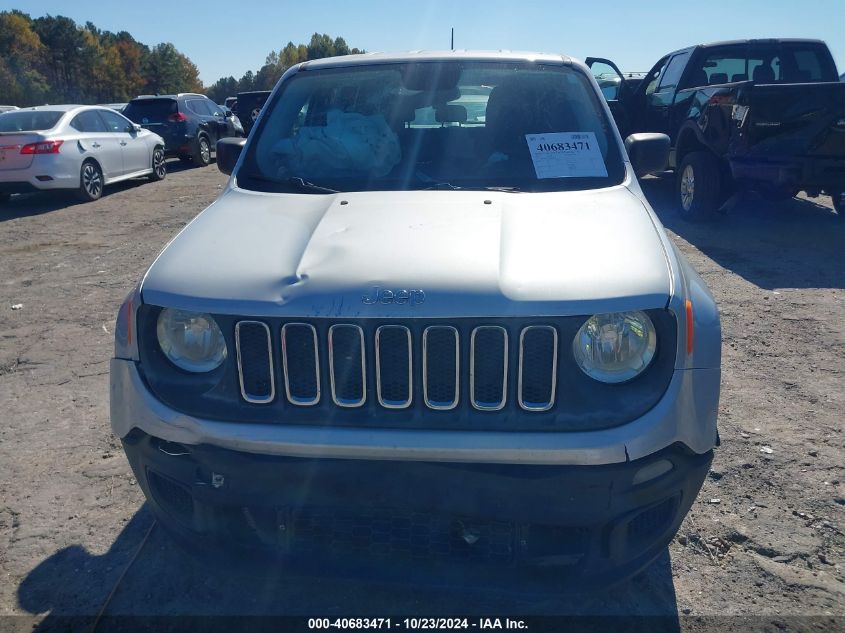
(764, 539)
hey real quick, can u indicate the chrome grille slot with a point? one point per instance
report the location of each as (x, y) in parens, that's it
(301, 362)
(537, 367)
(488, 372)
(255, 362)
(441, 367)
(394, 369)
(347, 365)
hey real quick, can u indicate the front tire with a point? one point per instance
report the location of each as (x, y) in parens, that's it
(202, 152)
(699, 186)
(159, 166)
(90, 182)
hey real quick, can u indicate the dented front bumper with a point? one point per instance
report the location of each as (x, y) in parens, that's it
(591, 523)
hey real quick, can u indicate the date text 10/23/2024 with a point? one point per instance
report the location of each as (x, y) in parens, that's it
(419, 623)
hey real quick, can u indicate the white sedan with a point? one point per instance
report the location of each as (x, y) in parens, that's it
(72, 147)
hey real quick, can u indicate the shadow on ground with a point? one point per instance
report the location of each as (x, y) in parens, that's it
(796, 243)
(165, 580)
(29, 204)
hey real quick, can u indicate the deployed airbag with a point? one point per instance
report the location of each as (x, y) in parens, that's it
(349, 143)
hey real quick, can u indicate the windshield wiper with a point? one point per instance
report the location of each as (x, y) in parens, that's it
(447, 186)
(442, 185)
(505, 189)
(304, 185)
(295, 181)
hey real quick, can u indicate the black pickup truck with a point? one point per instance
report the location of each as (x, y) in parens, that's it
(767, 115)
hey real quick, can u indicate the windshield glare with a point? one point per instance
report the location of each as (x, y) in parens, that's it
(467, 125)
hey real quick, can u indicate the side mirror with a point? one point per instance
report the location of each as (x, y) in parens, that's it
(136, 127)
(228, 151)
(227, 113)
(648, 151)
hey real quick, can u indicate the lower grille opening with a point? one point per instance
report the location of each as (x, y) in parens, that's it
(555, 544)
(383, 533)
(173, 498)
(652, 522)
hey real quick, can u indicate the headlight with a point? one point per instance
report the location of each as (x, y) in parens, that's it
(191, 340)
(615, 347)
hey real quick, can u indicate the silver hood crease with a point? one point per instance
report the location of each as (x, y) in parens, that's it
(576, 252)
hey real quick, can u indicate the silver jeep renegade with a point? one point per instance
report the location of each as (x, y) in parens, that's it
(432, 317)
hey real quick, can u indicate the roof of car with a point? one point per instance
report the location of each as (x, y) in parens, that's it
(61, 107)
(793, 40)
(426, 56)
(176, 96)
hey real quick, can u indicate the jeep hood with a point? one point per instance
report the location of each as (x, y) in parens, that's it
(471, 253)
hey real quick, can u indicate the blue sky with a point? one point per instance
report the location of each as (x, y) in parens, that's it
(229, 37)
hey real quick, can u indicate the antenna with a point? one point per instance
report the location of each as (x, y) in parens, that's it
(453, 38)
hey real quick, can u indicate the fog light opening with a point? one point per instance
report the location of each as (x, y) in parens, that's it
(652, 471)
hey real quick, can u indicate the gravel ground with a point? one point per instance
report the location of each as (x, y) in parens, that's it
(765, 537)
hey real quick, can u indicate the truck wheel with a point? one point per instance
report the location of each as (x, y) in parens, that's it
(699, 186)
(202, 152)
(838, 198)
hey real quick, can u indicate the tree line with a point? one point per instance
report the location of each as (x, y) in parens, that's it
(52, 59)
(321, 45)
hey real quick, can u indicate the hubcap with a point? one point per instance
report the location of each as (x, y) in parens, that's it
(91, 181)
(205, 152)
(158, 164)
(687, 187)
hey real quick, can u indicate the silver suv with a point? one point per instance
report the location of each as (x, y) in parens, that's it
(433, 317)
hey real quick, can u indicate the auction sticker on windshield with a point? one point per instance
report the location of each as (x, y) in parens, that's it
(566, 155)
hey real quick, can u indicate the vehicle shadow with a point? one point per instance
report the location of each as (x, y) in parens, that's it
(165, 580)
(29, 204)
(796, 243)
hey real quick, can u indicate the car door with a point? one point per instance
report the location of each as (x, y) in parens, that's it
(615, 90)
(224, 126)
(137, 155)
(658, 110)
(97, 142)
(208, 123)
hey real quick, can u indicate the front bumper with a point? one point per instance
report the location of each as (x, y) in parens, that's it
(590, 524)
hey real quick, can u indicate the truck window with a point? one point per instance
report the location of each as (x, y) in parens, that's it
(650, 80)
(608, 80)
(673, 72)
(789, 63)
(718, 66)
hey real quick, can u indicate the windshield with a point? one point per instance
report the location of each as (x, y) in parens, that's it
(436, 125)
(29, 121)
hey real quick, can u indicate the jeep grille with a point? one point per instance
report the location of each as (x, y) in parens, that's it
(394, 349)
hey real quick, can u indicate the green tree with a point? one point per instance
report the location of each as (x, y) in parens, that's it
(247, 82)
(222, 88)
(63, 42)
(276, 64)
(168, 71)
(22, 81)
